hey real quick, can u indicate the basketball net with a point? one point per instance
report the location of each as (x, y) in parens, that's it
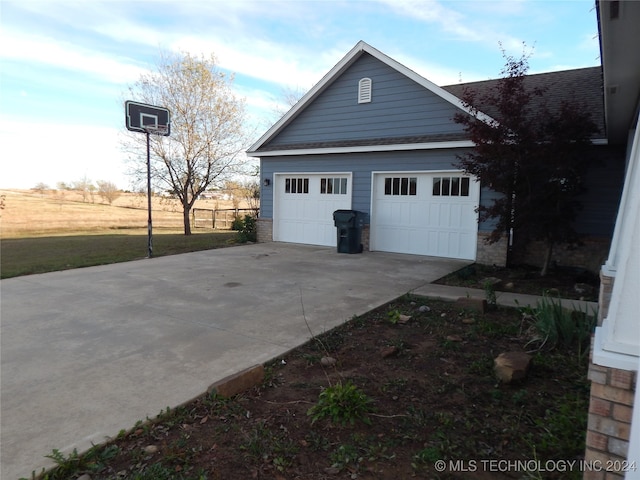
(157, 129)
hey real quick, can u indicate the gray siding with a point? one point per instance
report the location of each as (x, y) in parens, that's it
(361, 165)
(399, 107)
(600, 201)
(604, 187)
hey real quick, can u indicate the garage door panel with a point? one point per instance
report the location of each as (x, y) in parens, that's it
(303, 211)
(425, 221)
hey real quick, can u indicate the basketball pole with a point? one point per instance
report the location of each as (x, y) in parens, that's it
(149, 225)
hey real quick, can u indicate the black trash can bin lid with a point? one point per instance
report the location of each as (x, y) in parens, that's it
(343, 216)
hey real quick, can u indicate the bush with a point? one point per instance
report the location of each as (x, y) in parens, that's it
(246, 228)
(342, 403)
(561, 327)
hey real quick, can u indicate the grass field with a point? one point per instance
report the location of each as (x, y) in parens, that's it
(58, 230)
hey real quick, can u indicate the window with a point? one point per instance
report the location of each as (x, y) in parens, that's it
(364, 90)
(451, 186)
(296, 185)
(335, 186)
(400, 185)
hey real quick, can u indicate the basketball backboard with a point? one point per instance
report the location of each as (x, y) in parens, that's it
(140, 117)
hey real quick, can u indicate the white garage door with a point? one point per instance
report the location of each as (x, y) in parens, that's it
(304, 205)
(425, 214)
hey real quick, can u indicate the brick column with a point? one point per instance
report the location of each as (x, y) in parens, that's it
(610, 412)
(264, 227)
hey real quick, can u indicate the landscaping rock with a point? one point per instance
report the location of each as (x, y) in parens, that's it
(468, 321)
(511, 366)
(477, 304)
(492, 281)
(150, 449)
(389, 351)
(328, 361)
(424, 308)
(583, 289)
(509, 286)
(402, 319)
(85, 476)
(239, 382)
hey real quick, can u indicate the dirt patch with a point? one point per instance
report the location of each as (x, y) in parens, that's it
(433, 396)
(563, 282)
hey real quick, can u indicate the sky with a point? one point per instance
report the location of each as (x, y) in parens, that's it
(65, 65)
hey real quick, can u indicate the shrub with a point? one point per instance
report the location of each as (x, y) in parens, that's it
(246, 228)
(562, 327)
(341, 403)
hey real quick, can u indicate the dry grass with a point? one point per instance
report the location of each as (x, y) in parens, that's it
(30, 214)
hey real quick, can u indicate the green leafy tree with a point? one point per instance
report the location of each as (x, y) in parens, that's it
(207, 138)
(534, 156)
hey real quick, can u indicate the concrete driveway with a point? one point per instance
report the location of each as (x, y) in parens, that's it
(88, 352)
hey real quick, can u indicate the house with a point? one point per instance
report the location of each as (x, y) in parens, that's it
(376, 137)
(613, 432)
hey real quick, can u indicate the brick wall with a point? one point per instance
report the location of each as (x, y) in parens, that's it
(264, 227)
(591, 255)
(491, 254)
(610, 406)
(365, 237)
(609, 425)
(604, 297)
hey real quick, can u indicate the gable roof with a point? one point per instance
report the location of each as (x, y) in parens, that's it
(583, 83)
(349, 59)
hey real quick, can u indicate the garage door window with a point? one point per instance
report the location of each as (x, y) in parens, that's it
(451, 186)
(296, 185)
(400, 186)
(333, 186)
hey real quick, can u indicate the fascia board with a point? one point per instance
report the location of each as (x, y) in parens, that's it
(364, 148)
(377, 148)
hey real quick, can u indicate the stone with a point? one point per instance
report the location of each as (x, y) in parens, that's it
(509, 286)
(238, 383)
(150, 449)
(583, 289)
(328, 361)
(468, 321)
(402, 319)
(86, 476)
(389, 351)
(511, 366)
(424, 308)
(491, 281)
(470, 303)
(454, 338)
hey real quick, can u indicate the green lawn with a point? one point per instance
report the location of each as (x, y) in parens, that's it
(24, 256)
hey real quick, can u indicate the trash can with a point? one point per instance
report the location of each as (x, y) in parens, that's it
(349, 225)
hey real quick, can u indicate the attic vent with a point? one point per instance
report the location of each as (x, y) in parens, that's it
(364, 90)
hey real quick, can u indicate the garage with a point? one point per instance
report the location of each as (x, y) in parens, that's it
(304, 205)
(425, 213)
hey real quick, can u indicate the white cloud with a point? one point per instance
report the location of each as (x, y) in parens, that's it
(36, 49)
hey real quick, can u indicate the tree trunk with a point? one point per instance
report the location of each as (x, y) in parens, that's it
(186, 215)
(547, 259)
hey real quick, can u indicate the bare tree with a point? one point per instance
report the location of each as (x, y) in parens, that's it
(84, 186)
(207, 138)
(41, 188)
(108, 191)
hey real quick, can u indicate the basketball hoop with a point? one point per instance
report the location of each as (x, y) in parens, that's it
(162, 130)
